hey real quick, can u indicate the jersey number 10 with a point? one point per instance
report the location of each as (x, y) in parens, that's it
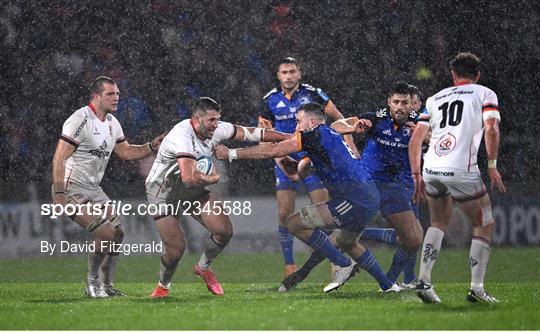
(455, 110)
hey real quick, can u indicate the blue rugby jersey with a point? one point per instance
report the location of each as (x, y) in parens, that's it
(386, 155)
(277, 108)
(333, 160)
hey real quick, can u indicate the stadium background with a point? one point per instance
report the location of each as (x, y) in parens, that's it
(164, 54)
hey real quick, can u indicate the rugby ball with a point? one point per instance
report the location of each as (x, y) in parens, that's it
(204, 165)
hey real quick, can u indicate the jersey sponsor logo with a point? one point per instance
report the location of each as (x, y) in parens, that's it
(101, 152)
(445, 145)
(81, 126)
(438, 173)
(392, 144)
(281, 104)
(285, 117)
(96, 132)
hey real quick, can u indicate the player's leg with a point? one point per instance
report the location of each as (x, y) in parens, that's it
(221, 231)
(384, 235)
(102, 233)
(478, 212)
(348, 242)
(285, 202)
(172, 237)
(440, 208)
(410, 233)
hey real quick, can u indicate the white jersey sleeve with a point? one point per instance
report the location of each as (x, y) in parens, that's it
(225, 131)
(75, 128)
(117, 131)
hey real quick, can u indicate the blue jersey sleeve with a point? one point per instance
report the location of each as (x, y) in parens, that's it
(322, 96)
(310, 140)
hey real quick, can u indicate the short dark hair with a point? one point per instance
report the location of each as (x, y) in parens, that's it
(415, 91)
(400, 88)
(313, 109)
(205, 104)
(466, 65)
(97, 85)
(288, 60)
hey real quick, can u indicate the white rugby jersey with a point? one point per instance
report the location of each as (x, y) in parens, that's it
(182, 142)
(456, 116)
(94, 140)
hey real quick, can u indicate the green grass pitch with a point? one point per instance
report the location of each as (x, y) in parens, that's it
(48, 294)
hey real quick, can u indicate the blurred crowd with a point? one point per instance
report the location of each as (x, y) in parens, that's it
(165, 54)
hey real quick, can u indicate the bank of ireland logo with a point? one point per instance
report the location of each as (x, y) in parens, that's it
(445, 145)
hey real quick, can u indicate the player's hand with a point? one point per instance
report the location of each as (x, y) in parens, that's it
(411, 125)
(221, 152)
(289, 166)
(495, 180)
(265, 123)
(213, 178)
(156, 142)
(419, 188)
(362, 126)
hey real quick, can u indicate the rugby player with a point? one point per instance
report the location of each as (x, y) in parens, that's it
(458, 116)
(278, 109)
(175, 180)
(354, 197)
(88, 137)
(385, 158)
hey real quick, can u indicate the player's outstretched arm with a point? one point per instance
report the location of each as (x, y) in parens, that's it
(492, 138)
(415, 159)
(333, 113)
(191, 176)
(63, 151)
(351, 125)
(261, 151)
(253, 134)
(127, 151)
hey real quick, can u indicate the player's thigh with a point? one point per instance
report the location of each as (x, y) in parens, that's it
(285, 201)
(170, 232)
(89, 210)
(477, 211)
(213, 218)
(440, 210)
(319, 195)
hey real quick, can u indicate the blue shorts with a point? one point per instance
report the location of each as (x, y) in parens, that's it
(312, 182)
(354, 212)
(396, 197)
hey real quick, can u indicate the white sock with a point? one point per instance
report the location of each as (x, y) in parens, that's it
(430, 251)
(94, 262)
(108, 267)
(479, 258)
(212, 248)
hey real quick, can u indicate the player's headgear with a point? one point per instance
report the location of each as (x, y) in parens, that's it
(205, 104)
(314, 109)
(466, 65)
(97, 85)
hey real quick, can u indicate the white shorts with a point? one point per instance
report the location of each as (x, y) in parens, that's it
(461, 185)
(168, 198)
(76, 194)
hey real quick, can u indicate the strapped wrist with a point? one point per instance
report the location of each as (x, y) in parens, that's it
(232, 155)
(492, 163)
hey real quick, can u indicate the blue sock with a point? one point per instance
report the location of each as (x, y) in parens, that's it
(319, 241)
(408, 269)
(385, 235)
(367, 262)
(399, 261)
(286, 240)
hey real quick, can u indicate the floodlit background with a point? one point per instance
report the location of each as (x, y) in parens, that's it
(165, 54)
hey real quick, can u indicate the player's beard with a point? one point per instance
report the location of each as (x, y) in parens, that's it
(204, 131)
